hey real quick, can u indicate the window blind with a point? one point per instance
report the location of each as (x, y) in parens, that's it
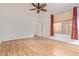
(65, 16)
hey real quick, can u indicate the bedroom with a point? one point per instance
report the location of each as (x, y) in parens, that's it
(25, 32)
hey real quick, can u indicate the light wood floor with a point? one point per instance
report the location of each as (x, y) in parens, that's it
(37, 47)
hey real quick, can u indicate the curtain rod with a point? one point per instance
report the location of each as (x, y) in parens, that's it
(64, 11)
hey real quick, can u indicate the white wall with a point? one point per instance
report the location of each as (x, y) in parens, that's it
(15, 21)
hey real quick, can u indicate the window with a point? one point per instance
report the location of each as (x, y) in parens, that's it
(63, 27)
(58, 27)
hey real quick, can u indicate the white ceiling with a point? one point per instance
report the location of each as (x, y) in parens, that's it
(58, 7)
(52, 8)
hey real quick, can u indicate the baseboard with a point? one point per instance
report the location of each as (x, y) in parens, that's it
(75, 42)
(15, 38)
(37, 36)
(70, 41)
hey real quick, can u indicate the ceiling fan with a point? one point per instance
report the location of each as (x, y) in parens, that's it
(39, 7)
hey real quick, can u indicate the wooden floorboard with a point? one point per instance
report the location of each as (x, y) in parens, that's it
(37, 46)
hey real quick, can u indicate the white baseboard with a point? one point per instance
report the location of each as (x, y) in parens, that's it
(17, 37)
(71, 41)
(65, 38)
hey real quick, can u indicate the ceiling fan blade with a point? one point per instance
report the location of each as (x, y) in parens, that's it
(33, 9)
(34, 5)
(43, 10)
(42, 5)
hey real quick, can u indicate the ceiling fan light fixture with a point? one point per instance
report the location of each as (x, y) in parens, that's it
(39, 7)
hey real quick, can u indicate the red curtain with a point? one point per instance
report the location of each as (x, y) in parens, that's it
(52, 26)
(74, 34)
